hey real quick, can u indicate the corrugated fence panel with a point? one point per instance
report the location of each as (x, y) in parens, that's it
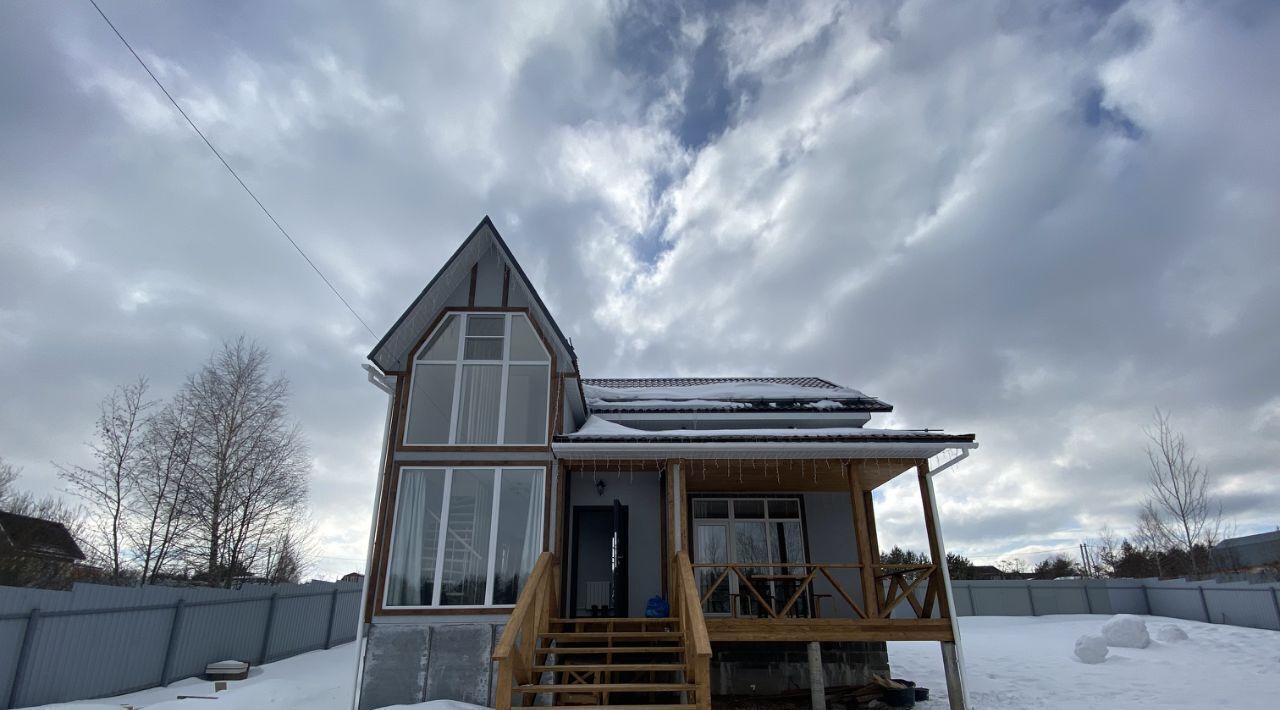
(1241, 604)
(97, 641)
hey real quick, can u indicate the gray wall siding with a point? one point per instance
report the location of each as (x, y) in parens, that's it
(641, 492)
(97, 641)
(1235, 603)
(489, 281)
(829, 525)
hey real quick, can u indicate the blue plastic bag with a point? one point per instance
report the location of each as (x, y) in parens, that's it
(657, 608)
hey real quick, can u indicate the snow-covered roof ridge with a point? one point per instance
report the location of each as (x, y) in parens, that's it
(599, 429)
(724, 393)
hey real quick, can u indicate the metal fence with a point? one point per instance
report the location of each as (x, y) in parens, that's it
(1234, 603)
(97, 641)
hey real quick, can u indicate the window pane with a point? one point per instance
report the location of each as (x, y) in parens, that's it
(710, 508)
(466, 542)
(526, 421)
(525, 344)
(430, 404)
(748, 508)
(485, 325)
(784, 509)
(751, 544)
(519, 536)
(444, 344)
(412, 567)
(709, 546)
(478, 404)
(482, 349)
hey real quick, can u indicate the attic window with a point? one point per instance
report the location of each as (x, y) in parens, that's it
(480, 379)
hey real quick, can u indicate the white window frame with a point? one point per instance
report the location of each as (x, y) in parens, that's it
(731, 544)
(438, 572)
(458, 363)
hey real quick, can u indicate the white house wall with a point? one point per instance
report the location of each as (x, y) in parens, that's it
(641, 492)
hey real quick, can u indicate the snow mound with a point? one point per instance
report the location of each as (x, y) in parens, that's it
(1091, 648)
(437, 705)
(1171, 633)
(1126, 631)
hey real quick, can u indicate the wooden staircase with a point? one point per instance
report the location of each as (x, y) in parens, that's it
(608, 663)
(598, 664)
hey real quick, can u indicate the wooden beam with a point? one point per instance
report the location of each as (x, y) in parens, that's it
(935, 546)
(870, 596)
(785, 630)
(683, 501)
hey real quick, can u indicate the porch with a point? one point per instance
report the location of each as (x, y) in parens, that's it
(748, 550)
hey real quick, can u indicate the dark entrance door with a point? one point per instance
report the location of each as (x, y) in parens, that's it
(600, 551)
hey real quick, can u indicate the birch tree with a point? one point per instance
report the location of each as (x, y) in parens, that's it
(1179, 511)
(107, 487)
(162, 489)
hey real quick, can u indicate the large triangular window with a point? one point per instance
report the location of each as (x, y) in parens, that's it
(480, 379)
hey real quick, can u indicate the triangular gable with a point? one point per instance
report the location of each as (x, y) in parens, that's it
(450, 288)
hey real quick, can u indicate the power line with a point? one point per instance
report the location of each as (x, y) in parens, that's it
(231, 170)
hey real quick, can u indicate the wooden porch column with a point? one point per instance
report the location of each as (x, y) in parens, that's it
(861, 531)
(935, 545)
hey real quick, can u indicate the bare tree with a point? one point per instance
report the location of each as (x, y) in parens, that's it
(1179, 512)
(8, 477)
(250, 465)
(162, 489)
(108, 487)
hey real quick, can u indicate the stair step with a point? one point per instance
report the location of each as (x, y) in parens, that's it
(584, 667)
(618, 650)
(615, 635)
(618, 620)
(606, 688)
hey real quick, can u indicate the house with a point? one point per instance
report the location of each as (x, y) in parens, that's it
(1248, 553)
(527, 517)
(987, 572)
(351, 577)
(35, 552)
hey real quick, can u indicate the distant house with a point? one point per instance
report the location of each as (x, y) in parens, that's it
(1249, 553)
(351, 577)
(35, 552)
(623, 541)
(987, 572)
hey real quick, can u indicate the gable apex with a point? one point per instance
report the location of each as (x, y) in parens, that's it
(449, 289)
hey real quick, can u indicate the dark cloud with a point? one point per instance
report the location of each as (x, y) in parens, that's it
(1035, 223)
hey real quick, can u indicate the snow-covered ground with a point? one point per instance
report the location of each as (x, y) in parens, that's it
(1028, 662)
(1012, 662)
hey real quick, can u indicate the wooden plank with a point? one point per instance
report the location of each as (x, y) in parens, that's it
(575, 667)
(870, 598)
(792, 630)
(621, 650)
(599, 635)
(606, 688)
(935, 546)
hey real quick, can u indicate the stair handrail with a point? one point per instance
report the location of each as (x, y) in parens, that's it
(516, 650)
(687, 607)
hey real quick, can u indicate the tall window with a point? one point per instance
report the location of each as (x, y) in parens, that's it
(464, 536)
(481, 378)
(764, 531)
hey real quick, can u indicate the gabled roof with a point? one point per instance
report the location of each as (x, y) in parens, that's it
(37, 536)
(391, 353)
(614, 395)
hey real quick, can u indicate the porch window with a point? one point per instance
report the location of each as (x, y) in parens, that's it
(762, 535)
(481, 378)
(464, 536)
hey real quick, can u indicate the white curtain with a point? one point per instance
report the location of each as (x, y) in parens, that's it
(480, 398)
(408, 543)
(533, 519)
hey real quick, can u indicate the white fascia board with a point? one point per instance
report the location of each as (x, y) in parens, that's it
(746, 449)
(825, 419)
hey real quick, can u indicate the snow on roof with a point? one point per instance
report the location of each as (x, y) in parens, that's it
(597, 429)
(724, 393)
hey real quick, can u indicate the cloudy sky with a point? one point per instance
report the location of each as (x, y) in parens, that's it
(1031, 221)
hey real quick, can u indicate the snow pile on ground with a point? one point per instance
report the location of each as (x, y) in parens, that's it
(1021, 662)
(437, 705)
(1171, 633)
(1126, 631)
(1091, 648)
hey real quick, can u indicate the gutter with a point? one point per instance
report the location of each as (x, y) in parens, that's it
(387, 384)
(946, 572)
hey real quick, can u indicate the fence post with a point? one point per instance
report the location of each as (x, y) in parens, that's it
(1146, 597)
(1032, 599)
(1088, 603)
(173, 642)
(973, 606)
(19, 668)
(1204, 603)
(266, 631)
(328, 630)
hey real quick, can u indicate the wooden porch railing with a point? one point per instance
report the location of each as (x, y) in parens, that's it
(686, 607)
(894, 584)
(537, 605)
